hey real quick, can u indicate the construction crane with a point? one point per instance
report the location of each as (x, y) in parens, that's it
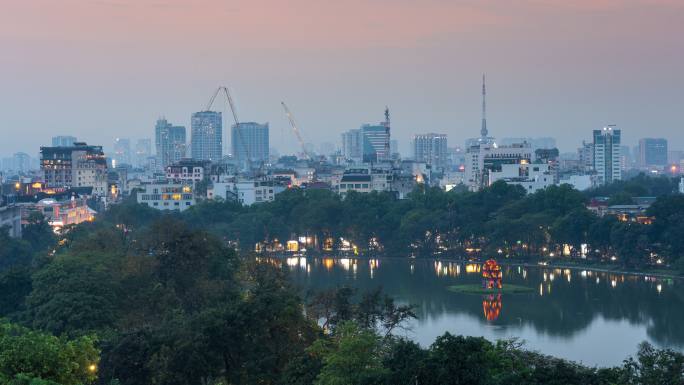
(230, 102)
(233, 110)
(293, 123)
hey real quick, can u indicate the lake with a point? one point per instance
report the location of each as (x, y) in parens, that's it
(591, 317)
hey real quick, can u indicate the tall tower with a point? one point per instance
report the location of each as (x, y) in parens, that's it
(387, 131)
(483, 130)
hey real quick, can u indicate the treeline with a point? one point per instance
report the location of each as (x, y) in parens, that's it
(162, 301)
(500, 220)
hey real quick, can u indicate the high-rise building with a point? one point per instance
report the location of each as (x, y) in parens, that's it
(352, 145)
(207, 135)
(607, 159)
(652, 152)
(143, 150)
(63, 141)
(431, 149)
(585, 155)
(122, 151)
(79, 165)
(170, 143)
(250, 143)
(21, 162)
(376, 140)
(370, 143)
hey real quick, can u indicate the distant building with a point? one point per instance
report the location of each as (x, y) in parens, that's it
(681, 185)
(352, 145)
(532, 177)
(62, 212)
(63, 141)
(122, 151)
(250, 143)
(586, 157)
(652, 152)
(166, 195)
(368, 144)
(143, 150)
(207, 136)
(21, 162)
(607, 155)
(189, 171)
(170, 143)
(376, 140)
(79, 165)
(483, 158)
(246, 192)
(431, 149)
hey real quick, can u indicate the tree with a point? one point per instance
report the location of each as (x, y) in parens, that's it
(352, 356)
(33, 358)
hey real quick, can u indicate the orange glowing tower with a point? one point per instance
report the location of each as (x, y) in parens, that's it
(491, 275)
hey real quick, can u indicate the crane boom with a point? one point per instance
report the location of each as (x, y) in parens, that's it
(293, 123)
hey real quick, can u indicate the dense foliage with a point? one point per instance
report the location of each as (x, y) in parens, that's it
(500, 219)
(141, 297)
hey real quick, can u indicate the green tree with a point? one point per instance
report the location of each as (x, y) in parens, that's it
(352, 356)
(30, 357)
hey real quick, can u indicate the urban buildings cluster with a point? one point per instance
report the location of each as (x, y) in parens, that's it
(70, 180)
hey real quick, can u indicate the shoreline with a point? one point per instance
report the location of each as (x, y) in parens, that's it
(504, 262)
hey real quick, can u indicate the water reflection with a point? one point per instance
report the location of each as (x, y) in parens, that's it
(565, 304)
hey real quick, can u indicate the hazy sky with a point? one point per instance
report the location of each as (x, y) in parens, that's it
(100, 69)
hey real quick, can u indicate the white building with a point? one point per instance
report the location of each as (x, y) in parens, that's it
(579, 182)
(532, 177)
(607, 155)
(431, 149)
(246, 192)
(681, 185)
(187, 171)
(167, 195)
(485, 157)
(364, 180)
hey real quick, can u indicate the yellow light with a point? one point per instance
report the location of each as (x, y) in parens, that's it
(187, 189)
(17, 185)
(92, 368)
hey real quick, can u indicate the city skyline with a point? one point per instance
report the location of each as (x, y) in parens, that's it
(552, 69)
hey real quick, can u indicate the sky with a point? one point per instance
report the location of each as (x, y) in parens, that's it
(101, 69)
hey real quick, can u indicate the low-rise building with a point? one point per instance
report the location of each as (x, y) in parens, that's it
(167, 195)
(532, 177)
(247, 192)
(187, 171)
(60, 212)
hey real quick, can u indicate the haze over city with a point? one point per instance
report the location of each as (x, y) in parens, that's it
(104, 69)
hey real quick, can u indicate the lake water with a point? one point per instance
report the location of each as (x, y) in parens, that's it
(591, 317)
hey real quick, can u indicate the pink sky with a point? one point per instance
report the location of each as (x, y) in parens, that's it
(100, 69)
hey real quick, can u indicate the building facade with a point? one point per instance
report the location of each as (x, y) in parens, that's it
(532, 177)
(607, 159)
(652, 152)
(352, 145)
(170, 143)
(122, 151)
(189, 171)
(63, 141)
(431, 149)
(486, 157)
(166, 195)
(80, 165)
(207, 135)
(250, 143)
